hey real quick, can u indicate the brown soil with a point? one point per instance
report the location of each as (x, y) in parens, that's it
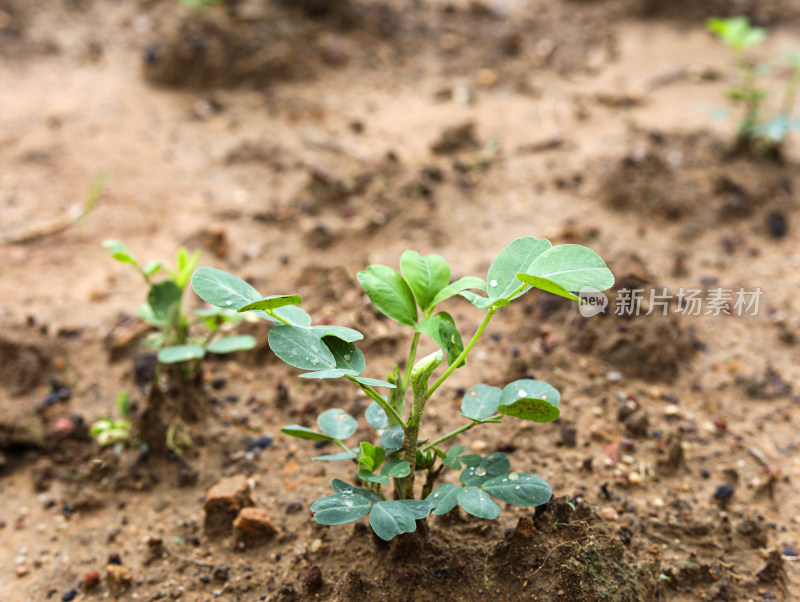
(294, 143)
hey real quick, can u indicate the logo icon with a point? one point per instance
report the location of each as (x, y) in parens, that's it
(592, 302)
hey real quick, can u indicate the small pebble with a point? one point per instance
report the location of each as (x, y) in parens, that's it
(70, 595)
(479, 445)
(316, 545)
(634, 478)
(614, 377)
(609, 514)
(91, 579)
(723, 492)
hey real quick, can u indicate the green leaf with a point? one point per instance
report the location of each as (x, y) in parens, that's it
(337, 423)
(340, 332)
(396, 468)
(301, 432)
(217, 312)
(120, 252)
(491, 466)
(223, 289)
(340, 508)
(475, 502)
(451, 458)
(736, 32)
(370, 477)
(301, 348)
(240, 342)
(340, 486)
(376, 417)
(547, 285)
(151, 268)
(346, 355)
(534, 410)
(480, 402)
(334, 457)
(272, 302)
(146, 315)
(444, 498)
(513, 259)
(471, 459)
(392, 439)
(374, 382)
(442, 329)
(457, 287)
(572, 267)
(419, 508)
(477, 300)
(180, 353)
(519, 489)
(164, 298)
(528, 388)
(332, 373)
(389, 519)
(425, 275)
(371, 456)
(390, 293)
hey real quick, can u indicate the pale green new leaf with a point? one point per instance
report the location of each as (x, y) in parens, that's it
(458, 287)
(515, 258)
(301, 348)
(271, 303)
(180, 353)
(442, 329)
(425, 275)
(390, 293)
(572, 267)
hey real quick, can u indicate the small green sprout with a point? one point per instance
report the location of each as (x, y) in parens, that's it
(173, 340)
(396, 453)
(199, 6)
(108, 431)
(757, 126)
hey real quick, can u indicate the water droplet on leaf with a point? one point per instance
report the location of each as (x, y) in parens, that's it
(493, 283)
(522, 393)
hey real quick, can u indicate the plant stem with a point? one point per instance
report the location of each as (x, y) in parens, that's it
(385, 406)
(790, 93)
(411, 356)
(410, 441)
(343, 446)
(277, 317)
(455, 363)
(458, 431)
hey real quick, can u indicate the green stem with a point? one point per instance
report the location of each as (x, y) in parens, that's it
(791, 93)
(385, 406)
(277, 317)
(454, 364)
(411, 356)
(343, 446)
(458, 431)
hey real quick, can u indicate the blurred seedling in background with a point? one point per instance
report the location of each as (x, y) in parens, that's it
(761, 128)
(394, 455)
(109, 431)
(179, 338)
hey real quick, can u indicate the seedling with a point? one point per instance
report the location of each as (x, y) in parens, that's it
(173, 339)
(396, 454)
(114, 432)
(758, 125)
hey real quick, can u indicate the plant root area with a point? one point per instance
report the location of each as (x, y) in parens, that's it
(296, 142)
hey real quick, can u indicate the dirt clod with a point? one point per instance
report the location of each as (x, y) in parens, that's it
(118, 578)
(223, 503)
(254, 523)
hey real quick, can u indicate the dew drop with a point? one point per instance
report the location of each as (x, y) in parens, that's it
(347, 357)
(435, 495)
(480, 471)
(522, 393)
(228, 302)
(347, 491)
(504, 480)
(473, 393)
(493, 283)
(349, 504)
(516, 487)
(513, 476)
(544, 396)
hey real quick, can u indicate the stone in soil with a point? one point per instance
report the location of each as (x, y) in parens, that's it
(223, 503)
(254, 523)
(118, 578)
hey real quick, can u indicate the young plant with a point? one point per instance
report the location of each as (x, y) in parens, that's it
(758, 126)
(108, 431)
(164, 310)
(397, 453)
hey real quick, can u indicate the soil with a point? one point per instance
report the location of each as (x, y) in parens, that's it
(294, 143)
